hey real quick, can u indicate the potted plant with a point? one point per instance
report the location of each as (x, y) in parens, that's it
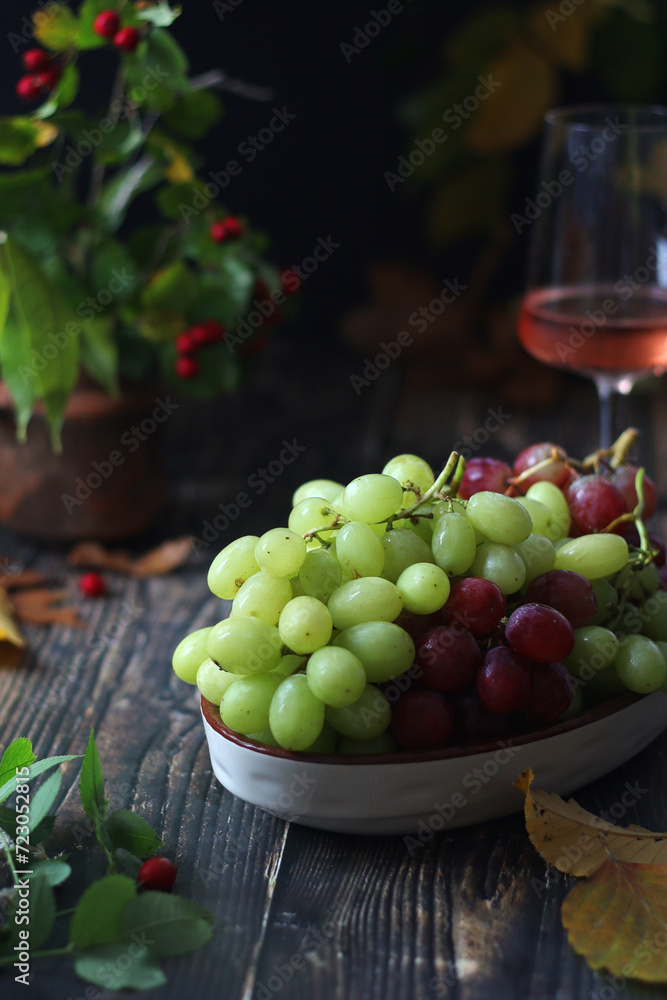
(100, 316)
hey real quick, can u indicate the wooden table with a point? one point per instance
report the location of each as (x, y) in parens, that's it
(300, 913)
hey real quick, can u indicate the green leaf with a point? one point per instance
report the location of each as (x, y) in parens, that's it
(106, 966)
(195, 113)
(172, 288)
(54, 870)
(56, 28)
(132, 833)
(172, 925)
(160, 14)
(91, 783)
(18, 140)
(130, 862)
(44, 830)
(123, 188)
(63, 94)
(99, 353)
(42, 911)
(164, 58)
(17, 755)
(42, 800)
(97, 918)
(39, 767)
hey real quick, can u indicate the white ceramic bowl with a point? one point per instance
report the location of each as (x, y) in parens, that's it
(420, 794)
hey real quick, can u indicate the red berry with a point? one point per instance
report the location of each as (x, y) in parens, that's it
(484, 474)
(226, 229)
(92, 585)
(551, 691)
(539, 633)
(556, 472)
(158, 874)
(567, 592)
(106, 24)
(594, 503)
(624, 481)
(126, 39)
(448, 658)
(422, 720)
(29, 88)
(476, 604)
(290, 282)
(186, 367)
(503, 681)
(49, 78)
(185, 343)
(207, 332)
(35, 60)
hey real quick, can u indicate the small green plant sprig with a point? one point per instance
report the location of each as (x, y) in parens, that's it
(120, 927)
(84, 289)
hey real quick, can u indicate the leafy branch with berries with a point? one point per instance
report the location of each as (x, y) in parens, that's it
(83, 291)
(125, 921)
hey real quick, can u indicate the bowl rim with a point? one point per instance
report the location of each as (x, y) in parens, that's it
(211, 715)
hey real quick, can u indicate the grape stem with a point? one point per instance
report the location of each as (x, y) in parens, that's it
(450, 469)
(531, 470)
(636, 514)
(617, 453)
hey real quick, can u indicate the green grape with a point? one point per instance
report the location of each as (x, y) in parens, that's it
(501, 519)
(422, 526)
(325, 488)
(372, 498)
(289, 664)
(320, 574)
(296, 716)
(594, 649)
(305, 625)
(500, 564)
(537, 554)
(575, 707)
(385, 649)
(359, 550)
(454, 543)
(366, 719)
(245, 706)
(325, 742)
(368, 599)
(402, 548)
(384, 743)
(653, 615)
(265, 736)
(233, 566)
(593, 555)
(245, 645)
(297, 587)
(606, 597)
(190, 652)
(662, 646)
(336, 676)
(213, 681)
(638, 584)
(280, 552)
(410, 470)
(262, 596)
(542, 518)
(640, 664)
(552, 497)
(423, 587)
(312, 513)
(604, 685)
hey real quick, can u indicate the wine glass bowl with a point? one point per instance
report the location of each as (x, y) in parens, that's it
(596, 298)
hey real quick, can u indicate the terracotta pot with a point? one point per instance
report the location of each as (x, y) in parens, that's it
(108, 482)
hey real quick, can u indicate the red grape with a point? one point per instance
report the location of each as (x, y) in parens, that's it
(567, 592)
(594, 503)
(551, 691)
(448, 658)
(417, 625)
(422, 720)
(473, 722)
(624, 481)
(539, 633)
(503, 681)
(484, 474)
(476, 604)
(556, 472)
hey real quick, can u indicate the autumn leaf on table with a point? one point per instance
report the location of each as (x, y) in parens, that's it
(617, 919)
(42, 607)
(577, 842)
(11, 640)
(159, 561)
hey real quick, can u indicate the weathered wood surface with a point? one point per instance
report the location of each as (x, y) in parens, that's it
(301, 914)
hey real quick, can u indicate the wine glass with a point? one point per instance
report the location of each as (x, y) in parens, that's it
(596, 299)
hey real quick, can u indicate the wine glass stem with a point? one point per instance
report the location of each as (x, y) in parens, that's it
(607, 398)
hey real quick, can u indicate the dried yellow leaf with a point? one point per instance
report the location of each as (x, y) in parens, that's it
(577, 842)
(9, 630)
